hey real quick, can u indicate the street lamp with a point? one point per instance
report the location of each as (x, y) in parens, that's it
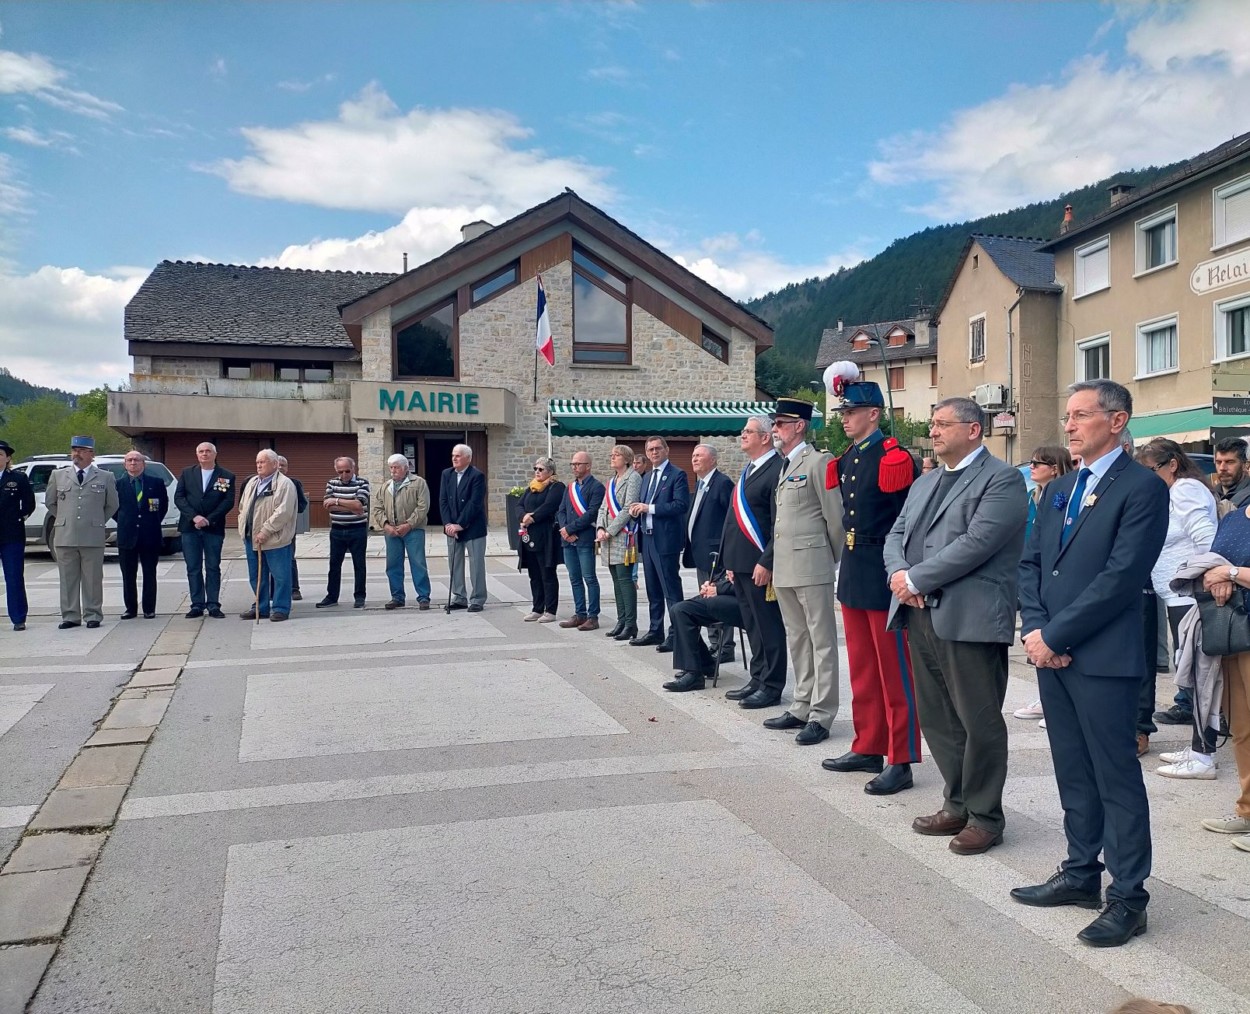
(885, 369)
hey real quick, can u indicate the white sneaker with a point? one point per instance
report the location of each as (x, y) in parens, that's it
(1033, 710)
(1231, 824)
(1190, 767)
(1179, 756)
(533, 617)
(1042, 724)
(548, 618)
(1242, 843)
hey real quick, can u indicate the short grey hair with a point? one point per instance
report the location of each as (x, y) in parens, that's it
(205, 443)
(1126, 439)
(1112, 397)
(394, 459)
(965, 410)
(762, 423)
(464, 449)
(709, 450)
(352, 461)
(548, 463)
(282, 461)
(269, 454)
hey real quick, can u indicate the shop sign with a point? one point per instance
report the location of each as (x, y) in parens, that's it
(1221, 272)
(1005, 421)
(433, 404)
(1230, 406)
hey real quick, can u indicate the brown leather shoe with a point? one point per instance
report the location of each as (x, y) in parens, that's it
(972, 841)
(572, 621)
(940, 823)
(1143, 744)
(590, 624)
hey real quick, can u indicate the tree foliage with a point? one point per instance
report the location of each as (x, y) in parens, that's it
(45, 425)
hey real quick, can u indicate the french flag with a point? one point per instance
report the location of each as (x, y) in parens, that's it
(542, 340)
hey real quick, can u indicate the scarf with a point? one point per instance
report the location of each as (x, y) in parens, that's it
(538, 485)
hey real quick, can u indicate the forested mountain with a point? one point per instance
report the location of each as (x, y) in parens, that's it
(14, 391)
(910, 274)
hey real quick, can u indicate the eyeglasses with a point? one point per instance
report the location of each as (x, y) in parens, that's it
(579, 464)
(751, 433)
(1080, 417)
(785, 422)
(944, 424)
(1162, 464)
(539, 468)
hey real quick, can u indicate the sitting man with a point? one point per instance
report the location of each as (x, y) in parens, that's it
(715, 604)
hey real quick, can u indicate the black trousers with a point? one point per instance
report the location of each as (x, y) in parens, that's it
(688, 617)
(544, 585)
(130, 560)
(346, 539)
(765, 631)
(662, 573)
(1149, 676)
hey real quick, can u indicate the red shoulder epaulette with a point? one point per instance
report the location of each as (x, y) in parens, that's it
(897, 469)
(831, 475)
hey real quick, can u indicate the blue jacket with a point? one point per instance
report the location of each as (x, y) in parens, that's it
(141, 507)
(463, 503)
(704, 539)
(582, 527)
(672, 500)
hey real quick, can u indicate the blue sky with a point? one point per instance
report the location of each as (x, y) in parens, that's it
(758, 143)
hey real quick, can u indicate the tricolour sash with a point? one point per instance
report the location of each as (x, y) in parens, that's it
(575, 500)
(742, 514)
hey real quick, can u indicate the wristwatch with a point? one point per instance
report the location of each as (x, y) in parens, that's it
(1232, 573)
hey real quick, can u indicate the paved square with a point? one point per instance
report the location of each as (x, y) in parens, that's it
(400, 706)
(666, 907)
(16, 701)
(371, 627)
(42, 640)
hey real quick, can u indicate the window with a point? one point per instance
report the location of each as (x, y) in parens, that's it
(1157, 347)
(976, 340)
(308, 373)
(268, 369)
(896, 378)
(1156, 240)
(715, 345)
(600, 312)
(1231, 208)
(1232, 328)
(495, 284)
(39, 475)
(425, 346)
(933, 374)
(1093, 267)
(1093, 358)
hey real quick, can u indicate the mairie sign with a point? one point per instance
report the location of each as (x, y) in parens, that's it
(433, 404)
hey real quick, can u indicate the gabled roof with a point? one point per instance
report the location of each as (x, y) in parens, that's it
(228, 304)
(1200, 165)
(1020, 260)
(516, 231)
(837, 345)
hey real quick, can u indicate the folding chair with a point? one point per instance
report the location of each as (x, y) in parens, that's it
(720, 643)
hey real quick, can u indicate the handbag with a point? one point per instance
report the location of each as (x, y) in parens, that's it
(1226, 628)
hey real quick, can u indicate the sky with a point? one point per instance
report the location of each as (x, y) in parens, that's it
(757, 143)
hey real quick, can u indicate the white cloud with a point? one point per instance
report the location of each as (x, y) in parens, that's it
(13, 192)
(63, 327)
(1177, 90)
(374, 157)
(742, 268)
(298, 87)
(36, 75)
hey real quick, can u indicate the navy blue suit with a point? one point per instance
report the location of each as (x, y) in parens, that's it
(141, 507)
(1085, 598)
(704, 538)
(463, 503)
(662, 546)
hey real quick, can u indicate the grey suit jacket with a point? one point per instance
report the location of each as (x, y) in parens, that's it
(82, 512)
(807, 523)
(966, 562)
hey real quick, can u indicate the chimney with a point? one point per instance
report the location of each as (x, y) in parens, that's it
(920, 327)
(405, 262)
(840, 328)
(474, 229)
(1120, 192)
(1066, 224)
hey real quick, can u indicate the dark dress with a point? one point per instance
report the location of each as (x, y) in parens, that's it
(540, 551)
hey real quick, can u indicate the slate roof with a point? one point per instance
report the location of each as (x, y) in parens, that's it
(835, 346)
(1020, 259)
(230, 304)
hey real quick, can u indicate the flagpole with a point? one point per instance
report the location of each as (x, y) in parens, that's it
(536, 375)
(549, 429)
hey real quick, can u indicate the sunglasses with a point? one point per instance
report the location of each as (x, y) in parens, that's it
(539, 468)
(1048, 464)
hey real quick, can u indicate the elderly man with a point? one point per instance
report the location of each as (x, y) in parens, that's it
(462, 507)
(576, 517)
(81, 500)
(400, 512)
(17, 503)
(705, 520)
(347, 501)
(204, 495)
(714, 605)
(142, 501)
(807, 542)
(952, 557)
(267, 511)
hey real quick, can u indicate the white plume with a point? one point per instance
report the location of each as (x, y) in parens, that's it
(846, 371)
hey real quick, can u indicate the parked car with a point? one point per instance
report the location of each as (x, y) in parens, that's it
(41, 466)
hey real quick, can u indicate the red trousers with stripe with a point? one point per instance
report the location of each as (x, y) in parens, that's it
(883, 697)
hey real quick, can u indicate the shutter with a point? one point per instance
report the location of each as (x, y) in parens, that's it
(310, 458)
(1236, 217)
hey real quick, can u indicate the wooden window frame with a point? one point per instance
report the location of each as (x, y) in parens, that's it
(457, 301)
(710, 340)
(973, 357)
(514, 267)
(626, 298)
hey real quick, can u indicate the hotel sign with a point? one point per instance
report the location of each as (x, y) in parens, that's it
(1221, 272)
(433, 404)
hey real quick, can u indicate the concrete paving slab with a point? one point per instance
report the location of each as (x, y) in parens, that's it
(371, 627)
(107, 765)
(17, 701)
(114, 737)
(165, 661)
(134, 714)
(154, 678)
(284, 713)
(35, 906)
(16, 816)
(54, 851)
(21, 968)
(174, 642)
(74, 808)
(54, 643)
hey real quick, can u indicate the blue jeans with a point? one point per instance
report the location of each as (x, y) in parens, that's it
(202, 553)
(277, 563)
(579, 561)
(412, 545)
(13, 558)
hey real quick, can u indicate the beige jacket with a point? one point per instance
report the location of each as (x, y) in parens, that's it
(81, 513)
(807, 523)
(411, 505)
(275, 514)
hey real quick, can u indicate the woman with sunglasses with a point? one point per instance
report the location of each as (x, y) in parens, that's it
(539, 551)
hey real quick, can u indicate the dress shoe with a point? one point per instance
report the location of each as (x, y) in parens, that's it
(685, 681)
(394, 604)
(742, 693)
(811, 734)
(727, 654)
(19, 626)
(784, 721)
(128, 615)
(646, 640)
(216, 614)
(894, 778)
(1117, 925)
(590, 623)
(193, 614)
(325, 602)
(66, 624)
(457, 605)
(666, 646)
(615, 630)
(92, 624)
(572, 621)
(940, 823)
(250, 614)
(1143, 744)
(277, 617)
(297, 595)
(852, 761)
(1060, 889)
(360, 604)
(628, 634)
(760, 699)
(972, 841)
(149, 616)
(1175, 715)
(477, 608)
(423, 605)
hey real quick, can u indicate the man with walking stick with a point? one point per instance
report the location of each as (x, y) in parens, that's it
(267, 512)
(462, 507)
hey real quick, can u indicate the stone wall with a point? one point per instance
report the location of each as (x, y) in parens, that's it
(182, 366)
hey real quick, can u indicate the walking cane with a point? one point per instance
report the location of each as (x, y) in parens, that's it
(260, 576)
(455, 545)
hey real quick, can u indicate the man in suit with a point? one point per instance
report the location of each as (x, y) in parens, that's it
(807, 541)
(1089, 555)
(715, 604)
(81, 499)
(204, 495)
(875, 475)
(746, 553)
(462, 506)
(661, 513)
(953, 556)
(142, 501)
(17, 503)
(579, 510)
(705, 520)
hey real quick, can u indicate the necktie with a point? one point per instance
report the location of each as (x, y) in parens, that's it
(750, 468)
(80, 475)
(1074, 506)
(138, 490)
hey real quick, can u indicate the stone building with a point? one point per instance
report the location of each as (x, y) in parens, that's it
(900, 356)
(321, 363)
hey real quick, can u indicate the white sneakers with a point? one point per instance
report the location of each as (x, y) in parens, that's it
(548, 618)
(1193, 766)
(1033, 710)
(533, 617)
(1179, 756)
(1231, 824)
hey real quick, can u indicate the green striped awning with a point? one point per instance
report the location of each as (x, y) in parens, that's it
(605, 417)
(1184, 426)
